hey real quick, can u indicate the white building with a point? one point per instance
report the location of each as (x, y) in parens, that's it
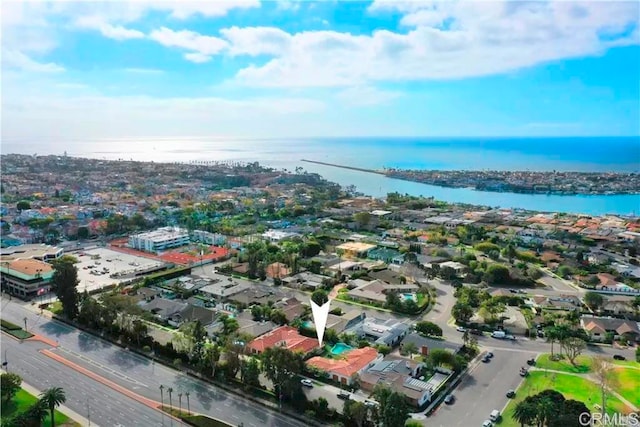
(160, 239)
(208, 238)
(278, 235)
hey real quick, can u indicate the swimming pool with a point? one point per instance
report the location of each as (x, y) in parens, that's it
(411, 297)
(340, 348)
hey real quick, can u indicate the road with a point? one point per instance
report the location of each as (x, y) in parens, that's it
(129, 370)
(482, 390)
(95, 401)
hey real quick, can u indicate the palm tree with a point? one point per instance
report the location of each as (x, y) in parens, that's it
(188, 406)
(35, 414)
(52, 398)
(161, 396)
(525, 412)
(170, 390)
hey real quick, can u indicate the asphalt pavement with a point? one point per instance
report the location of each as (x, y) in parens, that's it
(482, 390)
(127, 369)
(98, 403)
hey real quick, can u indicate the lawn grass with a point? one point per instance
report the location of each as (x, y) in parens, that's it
(626, 363)
(627, 384)
(23, 400)
(14, 330)
(55, 307)
(571, 387)
(582, 364)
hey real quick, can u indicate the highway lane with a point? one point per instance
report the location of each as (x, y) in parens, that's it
(138, 374)
(100, 404)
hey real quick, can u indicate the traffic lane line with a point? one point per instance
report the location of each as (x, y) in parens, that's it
(147, 402)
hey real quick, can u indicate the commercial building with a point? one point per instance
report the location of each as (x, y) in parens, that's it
(159, 240)
(26, 278)
(208, 238)
(35, 251)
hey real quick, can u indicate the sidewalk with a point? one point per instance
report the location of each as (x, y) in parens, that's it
(84, 422)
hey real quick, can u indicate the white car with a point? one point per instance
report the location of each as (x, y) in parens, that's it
(370, 403)
(461, 329)
(487, 423)
(306, 383)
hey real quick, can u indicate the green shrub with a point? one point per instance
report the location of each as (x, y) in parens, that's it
(8, 325)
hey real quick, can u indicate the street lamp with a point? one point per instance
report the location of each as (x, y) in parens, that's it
(5, 364)
(180, 403)
(25, 323)
(170, 390)
(162, 402)
(88, 413)
(188, 406)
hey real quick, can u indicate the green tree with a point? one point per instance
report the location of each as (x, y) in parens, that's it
(462, 312)
(52, 398)
(497, 274)
(320, 297)
(65, 282)
(393, 301)
(9, 385)
(565, 271)
(573, 347)
(83, 233)
(283, 367)
(410, 349)
(393, 409)
(491, 308)
(23, 205)
(593, 300)
(427, 328)
(250, 372)
(362, 219)
(525, 412)
(355, 411)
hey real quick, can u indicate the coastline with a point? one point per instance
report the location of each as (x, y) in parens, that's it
(486, 186)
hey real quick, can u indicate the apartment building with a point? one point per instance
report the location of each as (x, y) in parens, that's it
(159, 240)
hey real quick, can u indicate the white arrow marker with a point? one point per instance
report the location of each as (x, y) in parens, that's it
(320, 314)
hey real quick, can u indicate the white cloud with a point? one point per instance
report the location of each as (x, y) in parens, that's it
(255, 41)
(201, 47)
(197, 57)
(366, 96)
(447, 40)
(96, 116)
(14, 59)
(116, 32)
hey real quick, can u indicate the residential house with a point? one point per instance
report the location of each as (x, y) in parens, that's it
(376, 291)
(425, 345)
(277, 270)
(291, 307)
(355, 249)
(284, 336)
(403, 376)
(618, 305)
(305, 280)
(344, 369)
(385, 332)
(599, 327)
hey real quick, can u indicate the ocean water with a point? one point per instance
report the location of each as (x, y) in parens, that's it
(543, 154)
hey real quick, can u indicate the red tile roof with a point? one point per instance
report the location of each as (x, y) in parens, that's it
(284, 336)
(353, 362)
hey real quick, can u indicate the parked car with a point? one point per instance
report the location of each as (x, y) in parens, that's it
(475, 331)
(510, 337)
(370, 403)
(345, 395)
(531, 362)
(511, 394)
(490, 355)
(523, 372)
(461, 329)
(486, 359)
(619, 357)
(307, 383)
(449, 399)
(487, 423)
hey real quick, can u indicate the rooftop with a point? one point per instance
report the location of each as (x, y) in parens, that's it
(352, 362)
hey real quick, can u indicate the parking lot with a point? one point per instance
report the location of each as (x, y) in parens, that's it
(482, 390)
(107, 262)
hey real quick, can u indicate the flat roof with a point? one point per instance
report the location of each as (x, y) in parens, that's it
(28, 251)
(356, 246)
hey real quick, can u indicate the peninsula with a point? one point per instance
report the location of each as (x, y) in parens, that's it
(527, 182)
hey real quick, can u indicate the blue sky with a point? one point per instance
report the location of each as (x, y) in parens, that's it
(91, 70)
